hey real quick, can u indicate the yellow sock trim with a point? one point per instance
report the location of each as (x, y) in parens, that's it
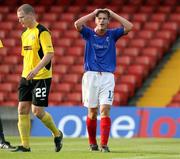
(49, 123)
(24, 126)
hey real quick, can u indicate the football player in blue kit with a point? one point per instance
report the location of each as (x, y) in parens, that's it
(99, 64)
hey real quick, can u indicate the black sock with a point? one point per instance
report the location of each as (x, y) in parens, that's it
(2, 139)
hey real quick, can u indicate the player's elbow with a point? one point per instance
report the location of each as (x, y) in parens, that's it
(77, 25)
(129, 27)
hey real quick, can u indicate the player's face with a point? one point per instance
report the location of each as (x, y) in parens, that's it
(102, 21)
(24, 19)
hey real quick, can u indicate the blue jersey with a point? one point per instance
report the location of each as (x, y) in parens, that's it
(100, 51)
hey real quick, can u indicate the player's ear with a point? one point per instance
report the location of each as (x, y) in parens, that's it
(96, 20)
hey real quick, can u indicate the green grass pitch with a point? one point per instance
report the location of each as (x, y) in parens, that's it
(77, 148)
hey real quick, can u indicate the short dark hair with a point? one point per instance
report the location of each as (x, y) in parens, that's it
(104, 12)
(27, 8)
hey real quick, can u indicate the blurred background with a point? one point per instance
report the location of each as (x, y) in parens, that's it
(148, 65)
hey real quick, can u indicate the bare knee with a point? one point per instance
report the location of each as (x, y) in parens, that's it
(38, 111)
(24, 108)
(105, 110)
(92, 113)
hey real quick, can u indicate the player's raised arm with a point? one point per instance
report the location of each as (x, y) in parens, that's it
(82, 21)
(127, 24)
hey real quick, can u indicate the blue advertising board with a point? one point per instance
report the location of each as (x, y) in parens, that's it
(127, 122)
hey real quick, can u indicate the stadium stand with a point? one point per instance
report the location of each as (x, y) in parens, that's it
(138, 54)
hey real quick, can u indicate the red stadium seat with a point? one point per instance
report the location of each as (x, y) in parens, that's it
(6, 26)
(164, 9)
(7, 87)
(59, 51)
(158, 17)
(174, 104)
(147, 9)
(154, 26)
(62, 2)
(5, 68)
(145, 34)
(12, 17)
(13, 97)
(74, 9)
(32, 2)
(139, 70)
(50, 17)
(170, 3)
(67, 60)
(138, 43)
(71, 78)
(124, 60)
(176, 98)
(120, 99)
(137, 26)
(63, 42)
(125, 88)
(11, 3)
(45, 3)
(77, 69)
(68, 17)
(13, 78)
(77, 88)
(79, 60)
(146, 60)
(2, 34)
(4, 9)
(13, 59)
(74, 97)
(60, 68)
(140, 17)
(56, 98)
(9, 103)
(71, 34)
(135, 2)
(18, 69)
(56, 78)
(62, 87)
(79, 42)
(177, 9)
(122, 43)
(159, 43)
(153, 3)
(131, 79)
(9, 42)
(133, 51)
(2, 96)
(57, 9)
(152, 52)
(165, 34)
(15, 34)
(130, 9)
(81, 3)
(121, 69)
(60, 25)
(74, 51)
(170, 26)
(4, 51)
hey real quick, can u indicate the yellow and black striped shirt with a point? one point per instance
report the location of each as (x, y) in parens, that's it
(36, 42)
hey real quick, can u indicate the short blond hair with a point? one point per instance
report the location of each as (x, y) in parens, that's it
(27, 8)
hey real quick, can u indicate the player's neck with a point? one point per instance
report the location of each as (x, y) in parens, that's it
(101, 32)
(33, 24)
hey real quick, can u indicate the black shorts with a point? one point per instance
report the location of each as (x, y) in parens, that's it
(36, 91)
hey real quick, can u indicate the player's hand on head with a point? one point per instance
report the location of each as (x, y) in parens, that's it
(109, 10)
(96, 10)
